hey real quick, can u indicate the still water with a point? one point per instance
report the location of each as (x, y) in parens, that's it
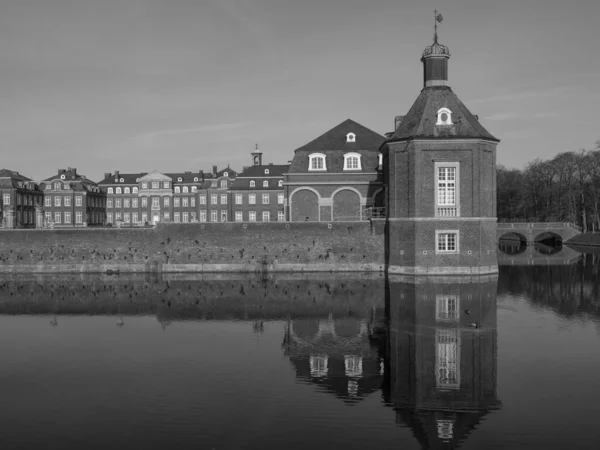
(296, 362)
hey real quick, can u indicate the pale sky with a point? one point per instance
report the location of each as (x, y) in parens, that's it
(175, 85)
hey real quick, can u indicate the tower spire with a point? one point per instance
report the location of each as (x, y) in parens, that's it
(435, 58)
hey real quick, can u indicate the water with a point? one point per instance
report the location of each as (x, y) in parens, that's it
(296, 362)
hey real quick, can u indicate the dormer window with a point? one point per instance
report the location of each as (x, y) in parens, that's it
(252, 183)
(225, 174)
(126, 190)
(213, 184)
(62, 177)
(180, 179)
(266, 171)
(177, 189)
(280, 184)
(57, 186)
(118, 190)
(265, 184)
(122, 180)
(224, 184)
(444, 117)
(195, 178)
(166, 185)
(194, 189)
(135, 190)
(350, 137)
(316, 161)
(66, 186)
(352, 161)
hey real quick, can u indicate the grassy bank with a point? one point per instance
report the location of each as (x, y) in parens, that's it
(589, 239)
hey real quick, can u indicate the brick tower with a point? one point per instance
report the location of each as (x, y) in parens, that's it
(440, 176)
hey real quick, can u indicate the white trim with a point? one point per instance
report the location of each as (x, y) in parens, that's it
(352, 155)
(322, 183)
(456, 251)
(307, 188)
(313, 156)
(447, 164)
(293, 174)
(351, 137)
(448, 120)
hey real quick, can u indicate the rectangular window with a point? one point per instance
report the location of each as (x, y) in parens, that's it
(78, 200)
(126, 202)
(67, 201)
(176, 202)
(265, 199)
(134, 217)
(144, 185)
(176, 217)
(266, 216)
(155, 185)
(447, 308)
(166, 185)
(223, 199)
(213, 199)
(447, 204)
(67, 217)
(6, 199)
(202, 216)
(57, 217)
(48, 216)
(252, 216)
(166, 202)
(167, 215)
(193, 202)
(155, 203)
(117, 202)
(57, 201)
(193, 217)
(144, 202)
(252, 199)
(446, 241)
(238, 199)
(118, 216)
(238, 216)
(280, 216)
(447, 358)
(126, 217)
(184, 202)
(185, 217)
(109, 203)
(144, 218)
(203, 199)
(213, 215)
(223, 215)
(134, 202)
(47, 200)
(109, 218)
(280, 199)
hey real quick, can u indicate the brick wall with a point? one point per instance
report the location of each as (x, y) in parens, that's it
(197, 248)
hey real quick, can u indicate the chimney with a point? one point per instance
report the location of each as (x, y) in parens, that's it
(201, 175)
(106, 175)
(116, 174)
(397, 121)
(61, 171)
(215, 171)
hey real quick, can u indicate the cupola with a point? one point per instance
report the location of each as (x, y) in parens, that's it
(435, 60)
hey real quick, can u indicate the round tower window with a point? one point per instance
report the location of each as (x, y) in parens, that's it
(444, 117)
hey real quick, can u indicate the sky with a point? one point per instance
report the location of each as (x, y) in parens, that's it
(177, 85)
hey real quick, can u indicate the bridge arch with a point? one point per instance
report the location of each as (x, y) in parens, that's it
(512, 243)
(549, 236)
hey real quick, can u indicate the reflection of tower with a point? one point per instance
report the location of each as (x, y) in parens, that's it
(442, 356)
(341, 356)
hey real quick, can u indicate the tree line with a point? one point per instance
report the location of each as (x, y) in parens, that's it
(565, 188)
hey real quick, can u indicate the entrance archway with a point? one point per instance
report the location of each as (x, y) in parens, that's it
(155, 218)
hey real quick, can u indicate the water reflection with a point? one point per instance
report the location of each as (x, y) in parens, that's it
(442, 356)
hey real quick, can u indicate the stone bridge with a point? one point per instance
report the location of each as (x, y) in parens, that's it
(537, 231)
(532, 256)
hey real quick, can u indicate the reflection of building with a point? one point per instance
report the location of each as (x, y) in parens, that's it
(341, 356)
(442, 356)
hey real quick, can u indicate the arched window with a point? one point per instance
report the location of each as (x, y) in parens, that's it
(122, 180)
(195, 178)
(280, 184)
(185, 189)
(265, 183)
(266, 171)
(252, 183)
(62, 177)
(110, 190)
(135, 190)
(226, 174)
(57, 186)
(352, 161)
(177, 190)
(126, 190)
(444, 117)
(194, 189)
(224, 184)
(316, 161)
(350, 137)
(180, 179)
(118, 190)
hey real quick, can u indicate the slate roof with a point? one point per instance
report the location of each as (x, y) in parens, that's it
(257, 173)
(10, 179)
(13, 174)
(129, 178)
(333, 144)
(187, 177)
(420, 121)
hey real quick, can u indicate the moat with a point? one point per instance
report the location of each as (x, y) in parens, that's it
(305, 361)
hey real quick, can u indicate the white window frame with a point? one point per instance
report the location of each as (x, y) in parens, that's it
(134, 190)
(185, 217)
(202, 217)
(110, 190)
(313, 158)
(223, 184)
(47, 200)
(252, 199)
(109, 217)
(280, 216)
(351, 137)
(67, 201)
(447, 308)
(109, 203)
(67, 216)
(214, 199)
(118, 190)
(239, 217)
(238, 199)
(176, 217)
(214, 215)
(117, 202)
(185, 189)
(57, 200)
(126, 190)
(155, 185)
(184, 202)
(266, 199)
(445, 208)
(440, 238)
(134, 202)
(350, 157)
(266, 216)
(176, 202)
(223, 215)
(223, 199)
(252, 183)
(134, 217)
(78, 200)
(177, 189)
(57, 217)
(203, 199)
(280, 199)
(144, 185)
(265, 184)
(251, 216)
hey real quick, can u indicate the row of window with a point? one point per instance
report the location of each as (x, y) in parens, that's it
(26, 200)
(265, 183)
(317, 161)
(185, 217)
(66, 201)
(64, 217)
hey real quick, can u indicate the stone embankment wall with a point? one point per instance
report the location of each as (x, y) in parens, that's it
(222, 247)
(173, 297)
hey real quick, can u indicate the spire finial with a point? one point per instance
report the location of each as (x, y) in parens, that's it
(255, 146)
(437, 18)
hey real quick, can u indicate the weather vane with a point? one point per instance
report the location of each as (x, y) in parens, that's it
(438, 18)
